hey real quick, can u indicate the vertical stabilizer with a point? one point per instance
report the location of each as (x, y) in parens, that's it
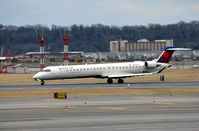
(166, 55)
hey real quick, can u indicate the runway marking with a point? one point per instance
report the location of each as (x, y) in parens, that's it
(145, 97)
(112, 108)
(55, 107)
(52, 107)
(164, 103)
(54, 99)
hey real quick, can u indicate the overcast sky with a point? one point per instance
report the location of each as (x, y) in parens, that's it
(88, 12)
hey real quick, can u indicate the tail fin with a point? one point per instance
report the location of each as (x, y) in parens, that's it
(166, 55)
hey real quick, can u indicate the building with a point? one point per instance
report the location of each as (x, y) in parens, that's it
(114, 46)
(140, 45)
(124, 45)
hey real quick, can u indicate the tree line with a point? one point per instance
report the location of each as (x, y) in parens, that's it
(17, 40)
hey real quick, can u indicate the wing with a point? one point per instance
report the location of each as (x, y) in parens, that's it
(125, 75)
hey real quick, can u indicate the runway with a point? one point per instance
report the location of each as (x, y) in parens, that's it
(133, 112)
(137, 85)
(101, 113)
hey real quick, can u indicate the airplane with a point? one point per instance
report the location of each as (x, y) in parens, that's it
(109, 71)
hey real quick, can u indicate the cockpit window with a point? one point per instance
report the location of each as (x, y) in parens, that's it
(46, 70)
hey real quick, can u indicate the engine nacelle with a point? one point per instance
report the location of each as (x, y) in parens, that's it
(150, 64)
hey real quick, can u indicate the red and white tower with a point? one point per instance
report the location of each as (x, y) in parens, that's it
(66, 39)
(41, 40)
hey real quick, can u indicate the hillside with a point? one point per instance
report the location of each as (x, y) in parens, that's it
(18, 40)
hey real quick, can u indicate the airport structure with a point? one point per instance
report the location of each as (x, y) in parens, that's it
(66, 39)
(4, 64)
(140, 45)
(41, 40)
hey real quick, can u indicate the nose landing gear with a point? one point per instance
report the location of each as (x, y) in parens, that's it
(42, 82)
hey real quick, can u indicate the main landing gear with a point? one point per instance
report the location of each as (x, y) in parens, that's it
(120, 81)
(42, 82)
(110, 81)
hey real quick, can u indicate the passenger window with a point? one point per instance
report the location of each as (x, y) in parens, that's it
(46, 70)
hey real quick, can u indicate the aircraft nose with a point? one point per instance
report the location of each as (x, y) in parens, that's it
(36, 76)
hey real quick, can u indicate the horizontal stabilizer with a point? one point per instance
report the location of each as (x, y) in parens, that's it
(177, 49)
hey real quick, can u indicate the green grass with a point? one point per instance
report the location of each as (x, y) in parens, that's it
(95, 92)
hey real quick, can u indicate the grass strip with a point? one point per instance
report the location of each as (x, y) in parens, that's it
(95, 92)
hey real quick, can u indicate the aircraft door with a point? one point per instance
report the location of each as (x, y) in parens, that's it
(55, 73)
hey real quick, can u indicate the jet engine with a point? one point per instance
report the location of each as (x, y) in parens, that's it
(150, 64)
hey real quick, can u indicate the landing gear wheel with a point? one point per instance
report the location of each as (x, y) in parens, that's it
(109, 81)
(120, 81)
(42, 82)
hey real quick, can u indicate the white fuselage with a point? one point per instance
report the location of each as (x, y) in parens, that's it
(114, 70)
